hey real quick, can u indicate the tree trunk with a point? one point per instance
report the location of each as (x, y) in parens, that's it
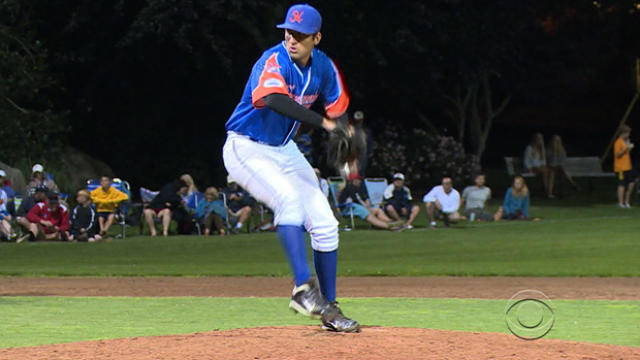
(482, 121)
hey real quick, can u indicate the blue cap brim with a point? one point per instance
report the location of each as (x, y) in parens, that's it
(295, 28)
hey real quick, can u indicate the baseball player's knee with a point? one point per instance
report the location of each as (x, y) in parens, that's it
(324, 237)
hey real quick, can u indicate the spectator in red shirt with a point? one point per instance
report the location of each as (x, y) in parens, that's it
(49, 220)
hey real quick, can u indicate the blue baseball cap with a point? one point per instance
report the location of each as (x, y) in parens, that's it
(302, 18)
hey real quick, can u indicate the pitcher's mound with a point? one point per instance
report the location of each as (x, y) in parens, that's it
(304, 342)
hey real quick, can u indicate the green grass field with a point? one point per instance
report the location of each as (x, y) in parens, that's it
(572, 240)
(48, 320)
(568, 241)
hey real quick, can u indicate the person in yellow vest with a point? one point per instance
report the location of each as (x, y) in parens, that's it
(622, 166)
(106, 199)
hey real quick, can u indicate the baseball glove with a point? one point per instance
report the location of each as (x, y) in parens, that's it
(346, 143)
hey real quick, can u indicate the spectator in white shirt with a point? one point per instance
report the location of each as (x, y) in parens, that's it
(443, 200)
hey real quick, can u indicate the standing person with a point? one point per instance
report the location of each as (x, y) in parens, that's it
(398, 201)
(83, 219)
(535, 160)
(622, 166)
(556, 159)
(443, 200)
(475, 200)
(365, 154)
(516, 202)
(259, 154)
(106, 199)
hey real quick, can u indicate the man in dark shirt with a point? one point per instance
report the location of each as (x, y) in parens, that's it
(239, 203)
(166, 205)
(398, 201)
(83, 220)
(39, 195)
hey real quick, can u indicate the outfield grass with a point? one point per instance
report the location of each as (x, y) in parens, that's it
(596, 240)
(32, 321)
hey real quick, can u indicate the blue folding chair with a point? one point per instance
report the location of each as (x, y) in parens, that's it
(375, 188)
(123, 208)
(336, 184)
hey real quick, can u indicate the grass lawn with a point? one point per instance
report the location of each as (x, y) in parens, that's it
(32, 321)
(570, 240)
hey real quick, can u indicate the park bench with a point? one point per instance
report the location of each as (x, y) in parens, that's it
(588, 167)
(576, 166)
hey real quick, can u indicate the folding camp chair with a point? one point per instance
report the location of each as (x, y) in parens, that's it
(123, 208)
(191, 203)
(336, 184)
(375, 189)
(146, 196)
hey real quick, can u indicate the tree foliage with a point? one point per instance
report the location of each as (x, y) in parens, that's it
(150, 83)
(30, 122)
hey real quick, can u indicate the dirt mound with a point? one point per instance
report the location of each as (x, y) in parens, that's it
(304, 342)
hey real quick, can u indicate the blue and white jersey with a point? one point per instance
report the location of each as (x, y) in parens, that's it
(276, 73)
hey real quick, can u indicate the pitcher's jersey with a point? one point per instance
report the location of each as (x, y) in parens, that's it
(276, 73)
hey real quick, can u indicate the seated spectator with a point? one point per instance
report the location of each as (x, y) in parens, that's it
(355, 196)
(192, 196)
(556, 159)
(39, 195)
(48, 220)
(6, 231)
(191, 185)
(165, 206)
(239, 203)
(516, 202)
(83, 220)
(211, 211)
(4, 185)
(398, 201)
(38, 178)
(475, 199)
(443, 201)
(106, 199)
(535, 161)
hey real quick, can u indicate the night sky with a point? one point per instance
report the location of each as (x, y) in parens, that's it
(148, 85)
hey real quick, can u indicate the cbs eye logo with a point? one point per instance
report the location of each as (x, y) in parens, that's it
(529, 314)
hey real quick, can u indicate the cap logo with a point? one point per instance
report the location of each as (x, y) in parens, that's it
(296, 16)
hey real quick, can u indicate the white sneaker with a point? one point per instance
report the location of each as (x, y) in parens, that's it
(432, 224)
(408, 227)
(621, 206)
(627, 205)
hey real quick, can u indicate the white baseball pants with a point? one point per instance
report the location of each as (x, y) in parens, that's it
(281, 178)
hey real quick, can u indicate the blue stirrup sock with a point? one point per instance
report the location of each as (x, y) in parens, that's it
(293, 243)
(326, 264)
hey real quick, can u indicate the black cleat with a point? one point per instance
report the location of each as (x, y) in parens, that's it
(307, 299)
(334, 320)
